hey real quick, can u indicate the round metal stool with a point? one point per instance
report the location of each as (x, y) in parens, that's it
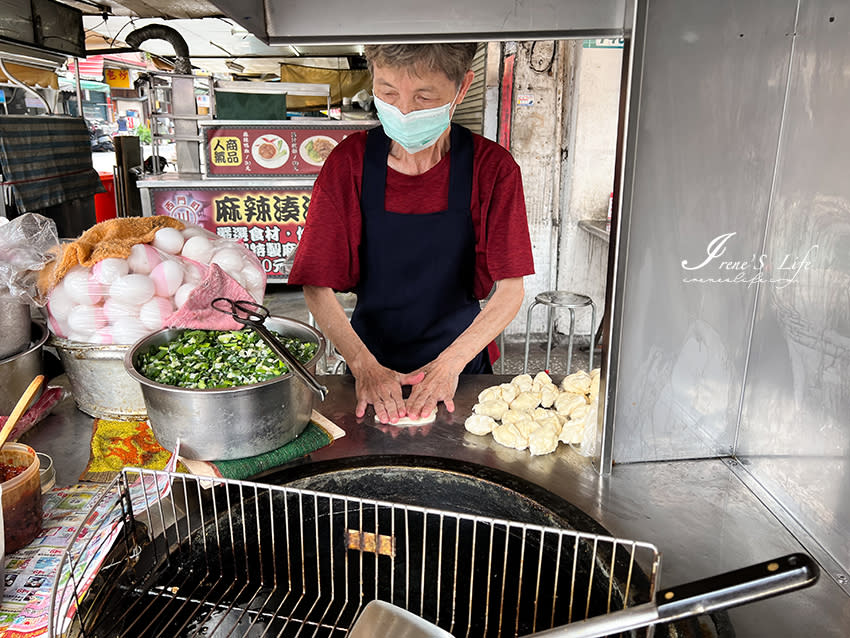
(554, 299)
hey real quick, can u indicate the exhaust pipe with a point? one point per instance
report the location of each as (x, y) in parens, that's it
(182, 65)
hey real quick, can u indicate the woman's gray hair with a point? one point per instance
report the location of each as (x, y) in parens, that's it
(454, 60)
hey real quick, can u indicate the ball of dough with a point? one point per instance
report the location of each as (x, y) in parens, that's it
(488, 394)
(509, 392)
(543, 441)
(577, 383)
(571, 433)
(510, 436)
(567, 402)
(525, 401)
(523, 382)
(540, 379)
(494, 408)
(551, 423)
(548, 394)
(594, 386)
(515, 416)
(580, 413)
(479, 424)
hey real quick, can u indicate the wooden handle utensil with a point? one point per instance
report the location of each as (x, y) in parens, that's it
(20, 407)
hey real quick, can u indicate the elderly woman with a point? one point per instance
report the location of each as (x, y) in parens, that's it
(421, 218)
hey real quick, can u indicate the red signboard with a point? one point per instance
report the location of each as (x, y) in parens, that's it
(237, 150)
(269, 221)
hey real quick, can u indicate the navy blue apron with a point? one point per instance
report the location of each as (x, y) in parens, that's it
(416, 270)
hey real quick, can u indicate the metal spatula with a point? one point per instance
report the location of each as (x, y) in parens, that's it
(738, 587)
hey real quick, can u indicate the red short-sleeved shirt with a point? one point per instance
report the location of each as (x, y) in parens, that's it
(328, 252)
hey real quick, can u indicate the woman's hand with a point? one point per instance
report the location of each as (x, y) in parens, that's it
(380, 387)
(439, 384)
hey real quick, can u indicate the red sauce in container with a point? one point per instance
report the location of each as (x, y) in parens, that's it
(8, 471)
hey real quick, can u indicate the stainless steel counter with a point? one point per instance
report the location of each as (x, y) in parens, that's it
(700, 514)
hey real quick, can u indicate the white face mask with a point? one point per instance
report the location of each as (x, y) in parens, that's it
(416, 130)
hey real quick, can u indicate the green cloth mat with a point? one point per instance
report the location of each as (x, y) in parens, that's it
(311, 439)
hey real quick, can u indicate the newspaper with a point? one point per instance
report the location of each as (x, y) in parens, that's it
(80, 527)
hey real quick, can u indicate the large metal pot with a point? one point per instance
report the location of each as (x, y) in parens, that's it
(100, 384)
(15, 322)
(16, 372)
(228, 423)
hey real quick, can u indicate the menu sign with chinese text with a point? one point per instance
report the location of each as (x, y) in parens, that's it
(277, 149)
(269, 221)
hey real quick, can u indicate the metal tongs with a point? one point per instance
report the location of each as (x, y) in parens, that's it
(254, 316)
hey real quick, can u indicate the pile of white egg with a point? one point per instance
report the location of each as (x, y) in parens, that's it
(121, 300)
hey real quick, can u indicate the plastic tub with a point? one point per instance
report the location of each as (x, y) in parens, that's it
(21, 497)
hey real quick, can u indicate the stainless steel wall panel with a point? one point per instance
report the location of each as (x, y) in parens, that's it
(344, 22)
(795, 430)
(708, 100)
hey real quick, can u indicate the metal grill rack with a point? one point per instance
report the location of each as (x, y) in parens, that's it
(232, 558)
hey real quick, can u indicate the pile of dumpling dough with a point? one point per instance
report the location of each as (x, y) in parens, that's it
(535, 413)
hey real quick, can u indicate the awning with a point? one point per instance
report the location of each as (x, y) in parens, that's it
(68, 85)
(343, 83)
(31, 76)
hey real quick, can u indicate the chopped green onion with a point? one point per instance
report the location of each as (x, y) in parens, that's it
(206, 359)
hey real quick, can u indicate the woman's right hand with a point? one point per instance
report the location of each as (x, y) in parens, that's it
(380, 387)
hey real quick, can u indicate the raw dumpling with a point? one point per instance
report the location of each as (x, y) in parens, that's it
(479, 424)
(540, 379)
(594, 373)
(548, 394)
(509, 392)
(526, 401)
(494, 408)
(509, 435)
(543, 441)
(567, 402)
(523, 382)
(577, 383)
(488, 394)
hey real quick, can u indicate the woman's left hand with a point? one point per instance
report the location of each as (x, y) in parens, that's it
(439, 384)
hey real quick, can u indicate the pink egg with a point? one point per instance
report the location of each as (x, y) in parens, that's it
(229, 259)
(59, 302)
(253, 277)
(57, 326)
(143, 259)
(168, 240)
(116, 310)
(153, 313)
(193, 273)
(86, 319)
(132, 289)
(194, 231)
(182, 294)
(104, 336)
(128, 331)
(108, 270)
(198, 249)
(80, 287)
(167, 278)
